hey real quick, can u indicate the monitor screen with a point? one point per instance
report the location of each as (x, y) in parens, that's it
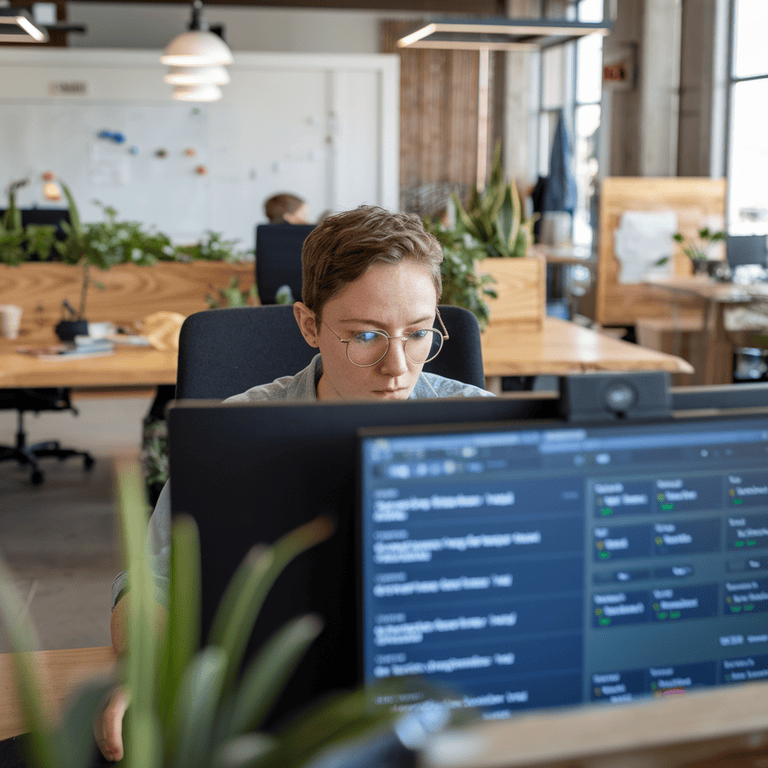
(278, 259)
(533, 566)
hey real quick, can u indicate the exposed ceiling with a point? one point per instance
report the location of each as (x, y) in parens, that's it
(478, 7)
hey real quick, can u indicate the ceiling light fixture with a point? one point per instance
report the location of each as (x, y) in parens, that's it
(208, 92)
(197, 76)
(500, 34)
(16, 26)
(199, 47)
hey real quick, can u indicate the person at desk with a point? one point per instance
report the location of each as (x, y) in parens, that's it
(286, 208)
(371, 285)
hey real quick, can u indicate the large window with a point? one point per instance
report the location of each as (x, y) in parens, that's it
(748, 115)
(571, 80)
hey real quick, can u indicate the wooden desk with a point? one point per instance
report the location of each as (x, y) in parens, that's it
(128, 367)
(560, 348)
(716, 728)
(61, 672)
(564, 348)
(715, 299)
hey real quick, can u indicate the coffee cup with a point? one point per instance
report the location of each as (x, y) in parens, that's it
(10, 321)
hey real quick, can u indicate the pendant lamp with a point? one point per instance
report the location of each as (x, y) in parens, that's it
(199, 47)
(197, 92)
(16, 26)
(197, 76)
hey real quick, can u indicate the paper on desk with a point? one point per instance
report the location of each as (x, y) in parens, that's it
(641, 239)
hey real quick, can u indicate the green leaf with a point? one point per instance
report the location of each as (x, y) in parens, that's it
(74, 216)
(244, 596)
(194, 711)
(76, 730)
(265, 677)
(182, 632)
(677, 237)
(243, 751)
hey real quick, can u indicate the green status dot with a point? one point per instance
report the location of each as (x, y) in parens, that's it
(604, 622)
(605, 554)
(749, 607)
(738, 501)
(738, 543)
(751, 543)
(605, 511)
(662, 615)
(667, 507)
(674, 615)
(735, 609)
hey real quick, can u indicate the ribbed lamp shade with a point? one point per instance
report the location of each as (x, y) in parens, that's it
(197, 76)
(197, 49)
(197, 92)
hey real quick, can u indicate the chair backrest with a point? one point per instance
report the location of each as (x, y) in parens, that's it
(225, 351)
(278, 258)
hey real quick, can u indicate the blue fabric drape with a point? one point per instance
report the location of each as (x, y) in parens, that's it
(560, 191)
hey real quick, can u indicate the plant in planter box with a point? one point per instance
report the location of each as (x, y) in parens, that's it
(19, 243)
(462, 285)
(188, 707)
(493, 220)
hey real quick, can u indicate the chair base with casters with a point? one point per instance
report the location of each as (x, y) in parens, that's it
(23, 400)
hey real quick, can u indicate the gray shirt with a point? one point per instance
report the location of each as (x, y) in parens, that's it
(299, 388)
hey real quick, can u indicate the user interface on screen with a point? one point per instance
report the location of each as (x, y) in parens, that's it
(547, 567)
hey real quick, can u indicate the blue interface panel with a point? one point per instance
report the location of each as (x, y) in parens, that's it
(534, 568)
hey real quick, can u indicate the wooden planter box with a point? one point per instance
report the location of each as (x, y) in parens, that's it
(521, 285)
(130, 292)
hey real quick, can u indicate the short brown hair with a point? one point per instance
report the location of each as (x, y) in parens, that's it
(277, 206)
(344, 245)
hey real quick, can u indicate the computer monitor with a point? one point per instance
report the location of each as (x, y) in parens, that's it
(48, 216)
(524, 566)
(249, 473)
(747, 249)
(278, 259)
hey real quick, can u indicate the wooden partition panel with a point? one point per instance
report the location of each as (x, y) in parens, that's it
(694, 201)
(130, 292)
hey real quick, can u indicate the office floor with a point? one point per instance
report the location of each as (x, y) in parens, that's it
(60, 539)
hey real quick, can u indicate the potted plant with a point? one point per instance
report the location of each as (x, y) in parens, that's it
(102, 245)
(188, 706)
(19, 243)
(700, 249)
(492, 229)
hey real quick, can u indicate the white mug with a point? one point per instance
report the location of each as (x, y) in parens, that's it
(10, 321)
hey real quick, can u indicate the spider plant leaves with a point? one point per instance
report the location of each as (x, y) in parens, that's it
(74, 215)
(194, 711)
(265, 676)
(182, 631)
(250, 585)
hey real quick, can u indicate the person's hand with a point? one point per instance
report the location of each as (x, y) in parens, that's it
(108, 726)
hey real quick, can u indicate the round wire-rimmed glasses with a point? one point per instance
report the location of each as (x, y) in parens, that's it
(367, 348)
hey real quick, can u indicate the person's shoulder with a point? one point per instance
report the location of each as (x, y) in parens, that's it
(301, 386)
(432, 385)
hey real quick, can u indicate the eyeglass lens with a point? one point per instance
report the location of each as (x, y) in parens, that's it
(370, 347)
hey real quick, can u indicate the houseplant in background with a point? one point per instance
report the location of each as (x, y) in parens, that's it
(700, 250)
(19, 243)
(491, 239)
(187, 706)
(110, 242)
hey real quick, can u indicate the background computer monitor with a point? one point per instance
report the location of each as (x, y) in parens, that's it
(249, 473)
(49, 216)
(278, 258)
(746, 249)
(534, 567)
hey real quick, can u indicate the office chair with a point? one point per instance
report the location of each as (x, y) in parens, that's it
(278, 259)
(46, 399)
(223, 352)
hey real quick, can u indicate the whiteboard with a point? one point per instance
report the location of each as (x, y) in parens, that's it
(323, 127)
